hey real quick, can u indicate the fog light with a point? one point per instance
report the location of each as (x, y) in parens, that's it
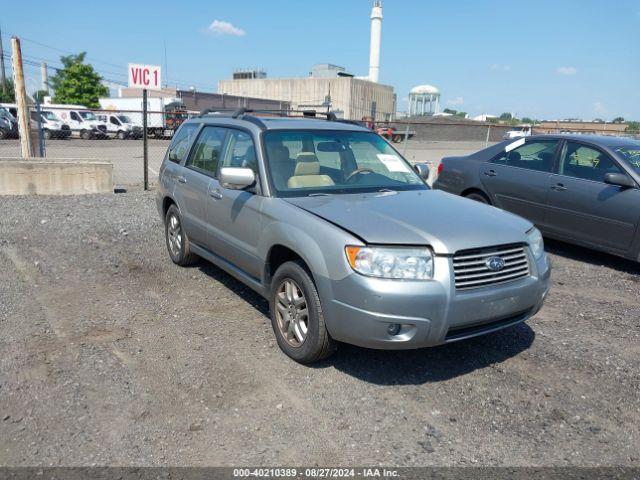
(393, 329)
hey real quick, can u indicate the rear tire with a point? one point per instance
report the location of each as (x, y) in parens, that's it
(47, 135)
(296, 315)
(86, 135)
(176, 239)
(3, 134)
(478, 197)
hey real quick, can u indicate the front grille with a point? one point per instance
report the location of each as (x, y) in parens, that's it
(478, 328)
(471, 270)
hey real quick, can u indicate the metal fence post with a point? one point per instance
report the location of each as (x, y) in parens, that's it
(145, 140)
(486, 142)
(41, 145)
(406, 139)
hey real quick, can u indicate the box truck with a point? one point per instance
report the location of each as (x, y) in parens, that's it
(164, 115)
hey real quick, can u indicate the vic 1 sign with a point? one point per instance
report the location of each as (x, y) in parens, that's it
(145, 76)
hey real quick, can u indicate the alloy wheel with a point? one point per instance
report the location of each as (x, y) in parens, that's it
(292, 313)
(174, 232)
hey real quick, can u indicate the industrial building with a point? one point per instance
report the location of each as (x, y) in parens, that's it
(328, 87)
(194, 100)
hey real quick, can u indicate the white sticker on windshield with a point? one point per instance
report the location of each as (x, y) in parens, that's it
(393, 163)
(516, 144)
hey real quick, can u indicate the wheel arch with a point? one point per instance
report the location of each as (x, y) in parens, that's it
(479, 191)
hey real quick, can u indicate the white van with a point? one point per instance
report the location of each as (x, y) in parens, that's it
(52, 126)
(80, 120)
(120, 125)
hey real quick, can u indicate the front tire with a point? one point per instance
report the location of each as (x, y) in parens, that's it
(86, 135)
(296, 315)
(122, 135)
(47, 135)
(176, 239)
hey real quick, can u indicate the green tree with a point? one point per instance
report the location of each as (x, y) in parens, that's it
(618, 120)
(506, 116)
(78, 82)
(450, 111)
(461, 114)
(10, 95)
(529, 120)
(633, 127)
(39, 95)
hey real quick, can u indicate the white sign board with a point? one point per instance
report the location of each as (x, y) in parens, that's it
(144, 76)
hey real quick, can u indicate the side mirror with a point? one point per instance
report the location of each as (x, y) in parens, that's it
(236, 178)
(619, 179)
(422, 169)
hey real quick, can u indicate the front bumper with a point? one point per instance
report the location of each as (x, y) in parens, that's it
(430, 313)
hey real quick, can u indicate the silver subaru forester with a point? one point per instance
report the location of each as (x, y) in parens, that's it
(327, 221)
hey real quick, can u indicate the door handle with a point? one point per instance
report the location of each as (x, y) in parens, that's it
(491, 173)
(181, 179)
(215, 194)
(559, 187)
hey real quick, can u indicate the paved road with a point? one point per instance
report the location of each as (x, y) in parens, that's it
(110, 354)
(126, 155)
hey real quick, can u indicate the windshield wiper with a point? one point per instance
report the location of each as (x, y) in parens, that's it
(387, 190)
(319, 195)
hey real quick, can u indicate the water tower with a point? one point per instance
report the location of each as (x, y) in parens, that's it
(424, 100)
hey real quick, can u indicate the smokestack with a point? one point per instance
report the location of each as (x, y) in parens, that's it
(376, 38)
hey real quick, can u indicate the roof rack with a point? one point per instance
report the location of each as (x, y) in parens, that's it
(245, 114)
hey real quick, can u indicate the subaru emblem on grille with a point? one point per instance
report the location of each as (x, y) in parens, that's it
(495, 263)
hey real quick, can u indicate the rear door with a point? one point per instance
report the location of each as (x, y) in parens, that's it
(195, 178)
(234, 216)
(517, 179)
(584, 208)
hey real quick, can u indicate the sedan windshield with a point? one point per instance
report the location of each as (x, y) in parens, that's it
(315, 162)
(631, 154)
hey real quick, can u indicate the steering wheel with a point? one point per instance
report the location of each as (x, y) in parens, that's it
(358, 171)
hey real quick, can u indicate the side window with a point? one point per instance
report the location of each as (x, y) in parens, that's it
(584, 162)
(207, 150)
(75, 116)
(114, 120)
(181, 142)
(536, 155)
(241, 151)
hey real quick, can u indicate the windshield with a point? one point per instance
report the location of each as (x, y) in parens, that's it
(88, 115)
(323, 162)
(631, 154)
(6, 113)
(49, 116)
(124, 119)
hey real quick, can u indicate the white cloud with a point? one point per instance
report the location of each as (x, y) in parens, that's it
(566, 70)
(502, 68)
(220, 27)
(456, 101)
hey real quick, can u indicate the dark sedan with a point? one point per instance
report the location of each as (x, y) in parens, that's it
(580, 189)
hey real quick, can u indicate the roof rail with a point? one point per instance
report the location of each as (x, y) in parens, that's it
(330, 116)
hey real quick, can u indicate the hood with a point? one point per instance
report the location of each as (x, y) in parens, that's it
(426, 217)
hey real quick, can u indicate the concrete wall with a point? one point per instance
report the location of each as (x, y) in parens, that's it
(54, 177)
(352, 97)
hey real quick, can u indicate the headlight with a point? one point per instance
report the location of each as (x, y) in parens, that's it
(411, 263)
(536, 243)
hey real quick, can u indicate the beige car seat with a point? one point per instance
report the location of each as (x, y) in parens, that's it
(307, 173)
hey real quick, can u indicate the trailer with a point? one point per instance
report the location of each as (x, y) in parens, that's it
(164, 115)
(393, 134)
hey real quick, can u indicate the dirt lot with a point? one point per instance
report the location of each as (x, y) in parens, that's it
(110, 354)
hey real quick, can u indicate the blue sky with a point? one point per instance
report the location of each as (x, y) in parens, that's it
(544, 59)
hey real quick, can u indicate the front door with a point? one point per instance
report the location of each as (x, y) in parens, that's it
(234, 215)
(517, 179)
(194, 182)
(584, 208)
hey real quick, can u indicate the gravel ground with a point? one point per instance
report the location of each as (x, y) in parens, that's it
(111, 355)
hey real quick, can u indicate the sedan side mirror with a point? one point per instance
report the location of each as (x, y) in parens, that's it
(619, 179)
(236, 178)
(422, 169)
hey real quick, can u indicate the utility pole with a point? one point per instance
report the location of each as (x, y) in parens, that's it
(3, 78)
(44, 77)
(21, 99)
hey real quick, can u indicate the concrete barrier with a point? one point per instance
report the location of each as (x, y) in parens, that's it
(37, 176)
